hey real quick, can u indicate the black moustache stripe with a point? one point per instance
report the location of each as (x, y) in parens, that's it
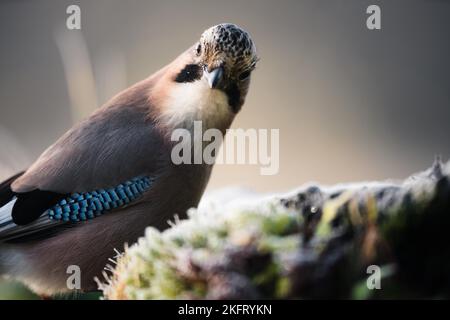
(234, 97)
(190, 73)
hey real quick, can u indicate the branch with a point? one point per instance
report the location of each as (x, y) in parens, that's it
(315, 242)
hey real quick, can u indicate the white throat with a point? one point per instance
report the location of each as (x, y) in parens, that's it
(195, 101)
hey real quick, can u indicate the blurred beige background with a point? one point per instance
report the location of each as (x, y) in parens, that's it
(351, 104)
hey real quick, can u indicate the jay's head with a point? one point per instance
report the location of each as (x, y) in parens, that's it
(226, 57)
(210, 80)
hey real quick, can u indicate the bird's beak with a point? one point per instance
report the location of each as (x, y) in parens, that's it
(214, 76)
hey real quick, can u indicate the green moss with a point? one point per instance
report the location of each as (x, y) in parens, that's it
(283, 249)
(178, 263)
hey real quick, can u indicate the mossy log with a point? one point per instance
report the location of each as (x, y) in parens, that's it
(315, 242)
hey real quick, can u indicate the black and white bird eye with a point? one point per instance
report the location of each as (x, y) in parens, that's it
(244, 75)
(190, 73)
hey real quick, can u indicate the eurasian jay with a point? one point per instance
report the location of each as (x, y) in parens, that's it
(110, 176)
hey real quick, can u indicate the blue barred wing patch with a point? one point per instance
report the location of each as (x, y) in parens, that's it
(88, 205)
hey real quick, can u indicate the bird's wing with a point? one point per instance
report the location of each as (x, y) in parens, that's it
(102, 163)
(38, 214)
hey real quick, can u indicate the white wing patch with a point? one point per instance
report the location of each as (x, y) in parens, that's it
(5, 212)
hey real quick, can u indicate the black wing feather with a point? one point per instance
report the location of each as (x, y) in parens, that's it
(29, 205)
(6, 194)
